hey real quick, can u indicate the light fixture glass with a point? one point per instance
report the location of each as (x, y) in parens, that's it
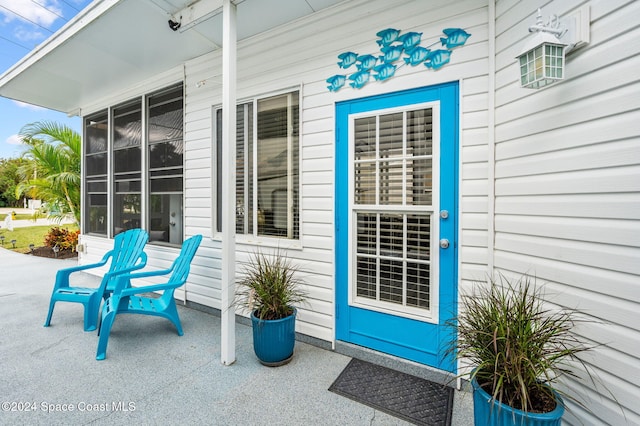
(541, 61)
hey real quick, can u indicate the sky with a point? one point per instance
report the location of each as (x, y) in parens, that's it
(24, 24)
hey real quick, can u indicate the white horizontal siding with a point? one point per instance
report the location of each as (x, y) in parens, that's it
(159, 257)
(303, 55)
(567, 185)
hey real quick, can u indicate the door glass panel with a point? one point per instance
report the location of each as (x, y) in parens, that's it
(365, 182)
(419, 132)
(366, 285)
(365, 138)
(367, 233)
(391, 235)
(419, 157)
(418, 237)
(391, 281)
(391, 177)
(417, 288)
(419, 182)
(393, 173)
(391, 129)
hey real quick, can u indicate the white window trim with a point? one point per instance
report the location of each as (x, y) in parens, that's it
(254, 239)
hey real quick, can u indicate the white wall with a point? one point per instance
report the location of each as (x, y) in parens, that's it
(567, 163)
(303, 55)
(567, 183)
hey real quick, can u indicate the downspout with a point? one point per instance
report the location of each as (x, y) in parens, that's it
(228, 316)
(184, 95)
(491, 139)
(491, 102)
(289, 167)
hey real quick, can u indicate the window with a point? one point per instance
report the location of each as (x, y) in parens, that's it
(142, 141)
(166, 149)
(95, 166)
(267, 166)
(127, 141)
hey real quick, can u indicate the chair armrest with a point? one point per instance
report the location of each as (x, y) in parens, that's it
(64, 274)
(150, 273)
(122, 274)
(135, 267)
(124, 281)
(148, 289)
(142, 263)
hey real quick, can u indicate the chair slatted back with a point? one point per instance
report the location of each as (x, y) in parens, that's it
(128, 246)
(182, 265)
(127, 252)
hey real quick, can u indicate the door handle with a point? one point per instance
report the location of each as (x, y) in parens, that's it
(444, 243)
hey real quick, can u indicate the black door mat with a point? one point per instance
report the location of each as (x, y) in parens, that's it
(402, 395)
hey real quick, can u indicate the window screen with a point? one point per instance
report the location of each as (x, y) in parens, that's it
(146, 131)
(165, 157)
(95, 166)
(127, 141)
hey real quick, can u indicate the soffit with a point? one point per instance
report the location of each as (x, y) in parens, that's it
(114, 44)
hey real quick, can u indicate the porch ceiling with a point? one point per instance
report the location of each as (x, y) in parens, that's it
(113, 44)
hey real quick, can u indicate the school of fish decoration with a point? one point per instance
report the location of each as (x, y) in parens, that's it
(392, 46)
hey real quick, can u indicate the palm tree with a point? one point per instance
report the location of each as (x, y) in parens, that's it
(53, 172)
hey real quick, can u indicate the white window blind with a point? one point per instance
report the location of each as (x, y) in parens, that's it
(392, 180)
(267, 166)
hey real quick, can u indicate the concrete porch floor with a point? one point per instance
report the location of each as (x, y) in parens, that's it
(151, 375)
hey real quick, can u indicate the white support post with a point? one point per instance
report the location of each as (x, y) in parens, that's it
(228, 320)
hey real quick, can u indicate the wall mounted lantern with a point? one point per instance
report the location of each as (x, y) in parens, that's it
(542, 60)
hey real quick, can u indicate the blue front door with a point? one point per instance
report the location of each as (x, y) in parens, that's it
(396, 222)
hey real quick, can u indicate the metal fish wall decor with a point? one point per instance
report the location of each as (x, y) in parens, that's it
(393, 44)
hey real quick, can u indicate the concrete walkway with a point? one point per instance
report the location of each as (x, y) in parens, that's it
(23, 223)
(49, 376)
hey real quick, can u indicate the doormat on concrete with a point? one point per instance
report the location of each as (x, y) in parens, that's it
(402, 395)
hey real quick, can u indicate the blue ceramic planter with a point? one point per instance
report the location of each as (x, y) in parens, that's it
(274, 340)
(494, 413)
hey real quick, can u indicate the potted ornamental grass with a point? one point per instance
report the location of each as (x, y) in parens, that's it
(269, 289)
(520, 347)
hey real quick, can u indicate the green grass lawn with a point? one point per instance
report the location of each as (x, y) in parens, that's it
(25, 216)
(29, 235)
(19, 216)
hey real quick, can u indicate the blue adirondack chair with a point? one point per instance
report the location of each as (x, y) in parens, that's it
(126, 256)
(129, 300)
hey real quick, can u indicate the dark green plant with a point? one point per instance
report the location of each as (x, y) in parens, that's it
(9, 180)
(52, 170)
(268, 286)
(519, 346)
